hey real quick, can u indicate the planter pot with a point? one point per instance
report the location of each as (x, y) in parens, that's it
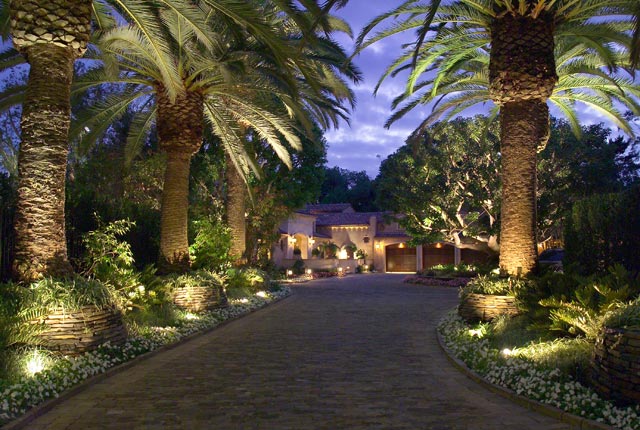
(486, 307)
(198, 299)
(615, 365)
(75, 332)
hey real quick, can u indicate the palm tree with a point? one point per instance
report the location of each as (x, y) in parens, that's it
(50, 35)
(519, 39)
(236, 84)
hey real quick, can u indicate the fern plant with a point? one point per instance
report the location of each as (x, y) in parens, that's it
(585, 313)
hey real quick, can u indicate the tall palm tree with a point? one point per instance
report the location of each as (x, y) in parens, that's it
(518, 38)
(236, 84)
(50, 35)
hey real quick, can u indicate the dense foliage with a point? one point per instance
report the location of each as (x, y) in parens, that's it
(603, 230)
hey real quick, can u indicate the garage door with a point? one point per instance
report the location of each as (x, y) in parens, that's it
(401, 258)
(440, 253)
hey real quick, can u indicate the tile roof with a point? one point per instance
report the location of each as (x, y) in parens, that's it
(326, 208)
(346, 218)
(392, 234)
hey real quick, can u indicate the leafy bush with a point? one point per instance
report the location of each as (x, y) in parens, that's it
(211, 246)
(585, 304)
(14, 327)
(624, 316)
(246, 282)
(329, 249)
(493, 286)
(452, 270)
(109, 259)
(69, 294)
(298, 267)
(604, 230)
(198, 278)
(361, 254)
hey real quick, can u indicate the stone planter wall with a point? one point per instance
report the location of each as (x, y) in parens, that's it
(75, 332)
(198, 299)
(485, 307)
(615, 365)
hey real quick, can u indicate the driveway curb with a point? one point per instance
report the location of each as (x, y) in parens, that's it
(39, 410)
(574, 420)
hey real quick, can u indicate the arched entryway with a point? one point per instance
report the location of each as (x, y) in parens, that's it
(400, 258)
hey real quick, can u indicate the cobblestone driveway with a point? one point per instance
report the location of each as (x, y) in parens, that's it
(353, 353)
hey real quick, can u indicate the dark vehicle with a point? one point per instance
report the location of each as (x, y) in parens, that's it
(551, 259)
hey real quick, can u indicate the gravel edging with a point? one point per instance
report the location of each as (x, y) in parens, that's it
(574, 420)
(37, 411)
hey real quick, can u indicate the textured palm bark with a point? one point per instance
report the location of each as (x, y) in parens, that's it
(522, 76)
(236, 208)
(51, 35)
(524, 127)
(180, 128)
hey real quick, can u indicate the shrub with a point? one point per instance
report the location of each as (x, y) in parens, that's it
(493, 286)
(110, 261)
(246, 282)
(361, 254)
(298, 267)
(624, 316)
(211, 246)
(604, 230)
(69, 294)
(583, 307)
(14, 327)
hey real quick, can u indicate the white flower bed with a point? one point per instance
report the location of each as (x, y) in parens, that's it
(64, 373)
(545, 385)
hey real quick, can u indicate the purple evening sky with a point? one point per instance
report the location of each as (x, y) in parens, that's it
(366, 143)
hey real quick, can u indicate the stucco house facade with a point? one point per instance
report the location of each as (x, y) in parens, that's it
(378, 234)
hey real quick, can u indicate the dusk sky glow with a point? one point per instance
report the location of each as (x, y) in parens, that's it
(364, 144)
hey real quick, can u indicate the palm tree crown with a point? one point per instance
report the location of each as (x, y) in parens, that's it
(519, 54)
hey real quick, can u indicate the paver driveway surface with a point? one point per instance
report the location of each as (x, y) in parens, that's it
(353, 353)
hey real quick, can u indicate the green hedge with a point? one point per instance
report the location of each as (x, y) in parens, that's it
(603, 230)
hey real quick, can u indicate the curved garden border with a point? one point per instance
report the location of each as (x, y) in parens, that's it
(559, 414)
(23, 421)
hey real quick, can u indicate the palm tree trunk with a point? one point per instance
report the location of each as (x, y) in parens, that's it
(524, 127)
(41, 246)
(174, 244)
(236, 209)
(180, 128)
(522, 76)
(51, 35)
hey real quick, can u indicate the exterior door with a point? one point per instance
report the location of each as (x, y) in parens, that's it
(438, 253)
(401, 258)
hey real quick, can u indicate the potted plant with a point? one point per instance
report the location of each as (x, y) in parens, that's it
(485, 298)
(361, 255)
(315, 253)
(330, 250)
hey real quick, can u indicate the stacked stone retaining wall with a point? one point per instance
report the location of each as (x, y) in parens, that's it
(74, 332)
(198, 298)
(484, 307)
(615, 365)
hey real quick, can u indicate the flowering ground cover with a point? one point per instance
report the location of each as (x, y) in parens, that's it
(46, 377)
(520, 370)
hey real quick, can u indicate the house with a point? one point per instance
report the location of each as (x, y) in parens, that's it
(311, 233)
